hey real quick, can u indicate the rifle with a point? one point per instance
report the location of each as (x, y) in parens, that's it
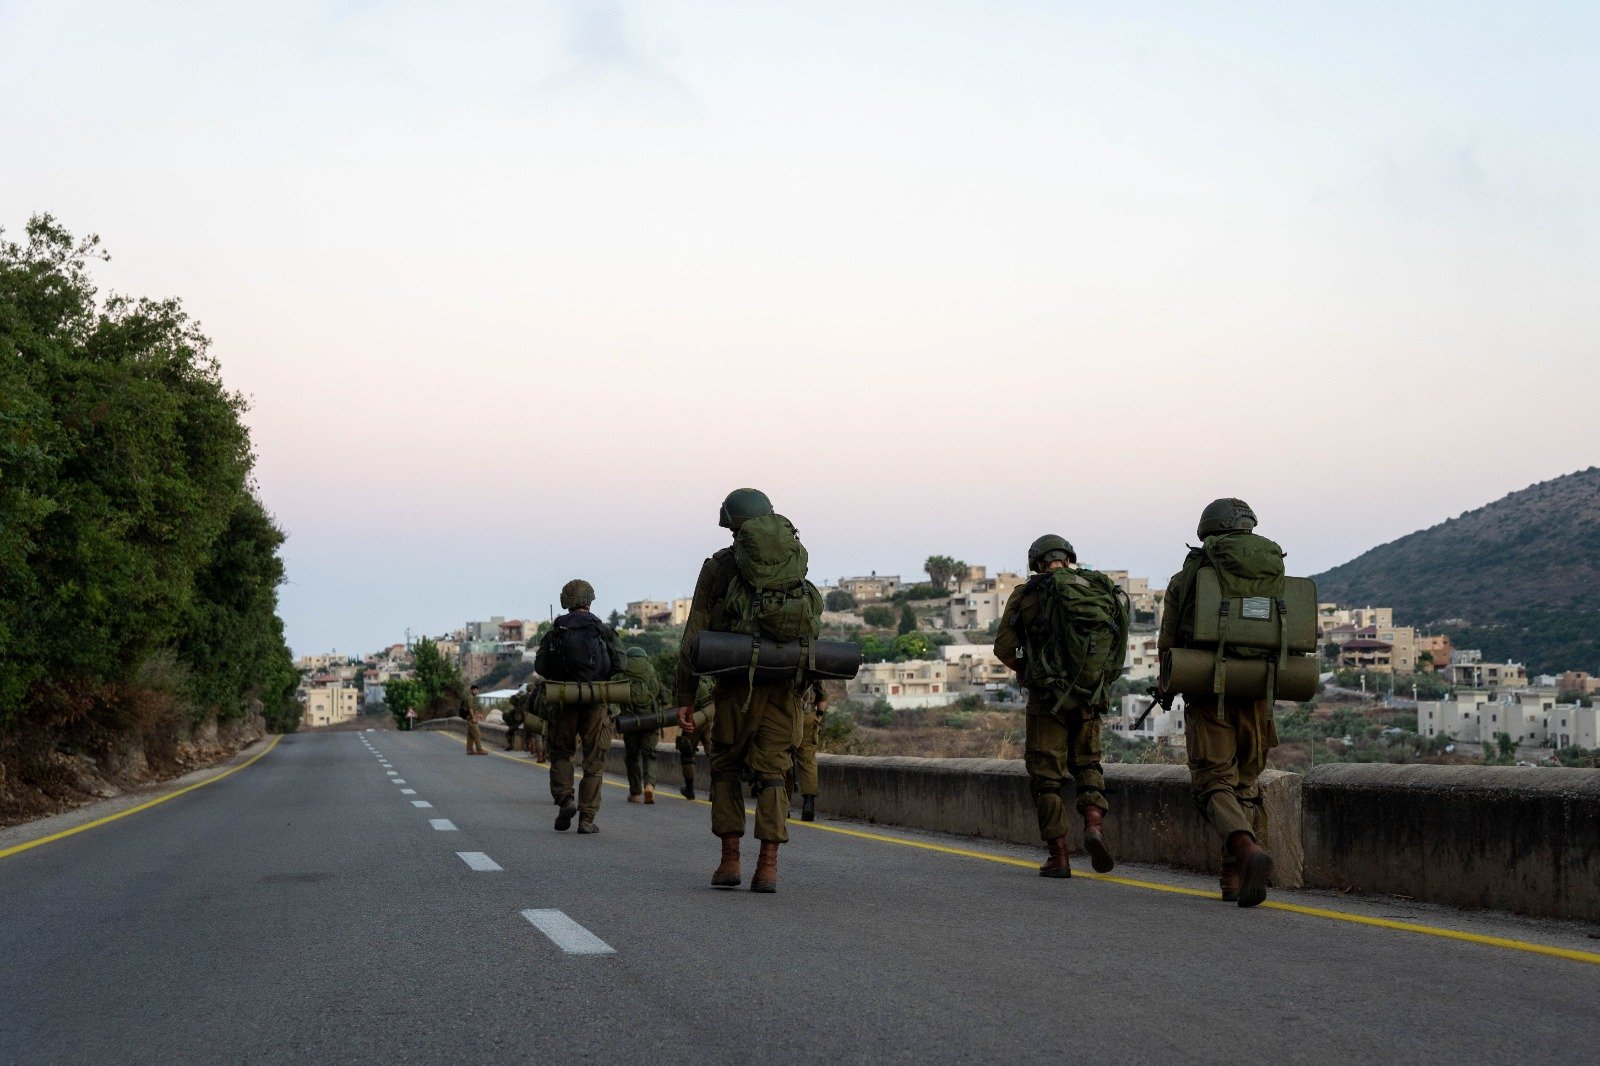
(1158, 698)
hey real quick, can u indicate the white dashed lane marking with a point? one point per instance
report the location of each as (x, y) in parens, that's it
(408, 792)
(399, 781)
(478, 861)
(444, 825)
(392, 773)
(567, 934)
(421, 803)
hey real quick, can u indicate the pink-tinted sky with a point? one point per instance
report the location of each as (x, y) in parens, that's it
(519, 292)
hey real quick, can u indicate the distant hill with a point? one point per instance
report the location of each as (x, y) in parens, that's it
(1519, 578)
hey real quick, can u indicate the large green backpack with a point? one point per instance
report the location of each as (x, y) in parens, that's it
(768, 594)
(1237, 605)
(1077, 642)
(643, 688)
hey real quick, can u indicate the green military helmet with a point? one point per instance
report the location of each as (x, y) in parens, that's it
(636, 652)
(1048, 548)
(575, 594)
(742, 504)
(1226, 516)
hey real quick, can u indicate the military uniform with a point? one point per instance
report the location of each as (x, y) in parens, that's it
(689, 744)
(757, 727)
(805, 757)
(640, 748)
(514, 716)
(1227, 742)
(574, 723)
(1059, 743)
(469, 705)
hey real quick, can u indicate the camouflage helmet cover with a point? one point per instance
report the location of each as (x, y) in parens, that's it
(1226, 516)
(575, 594)
(742, 504)
(1048, 548)
(636, 652)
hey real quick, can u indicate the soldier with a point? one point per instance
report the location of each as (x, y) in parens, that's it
(515, 716)
(689, 743)
(805, 757)
(578, 647)
(1227, 742)
(1063, 731)
(470, 710)
(758, 725)
(640, 747)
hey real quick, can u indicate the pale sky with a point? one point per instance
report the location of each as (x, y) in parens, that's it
(519, 291)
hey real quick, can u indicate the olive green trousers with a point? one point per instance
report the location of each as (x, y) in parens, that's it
(756, 732)
(1227, 749)
(589, 724)
(1059, 746)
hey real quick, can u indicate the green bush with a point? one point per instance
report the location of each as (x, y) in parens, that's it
(878, 616)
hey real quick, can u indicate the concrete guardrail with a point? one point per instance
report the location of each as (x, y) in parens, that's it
(1522, 839)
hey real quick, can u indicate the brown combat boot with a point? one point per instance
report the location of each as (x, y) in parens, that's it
(1230, 881)
(727, 875)
(649, 793)
(633, 797)
(765, 878)
(1056, 865)
(586, 823)
(1094, 843)
(1255, 867)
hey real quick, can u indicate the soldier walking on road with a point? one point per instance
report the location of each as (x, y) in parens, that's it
(1065, 633)
(645, 697)
(805, 757)
(688, 743)
(1227, 740)
(578, 647)
(473, 714)
(757, 587)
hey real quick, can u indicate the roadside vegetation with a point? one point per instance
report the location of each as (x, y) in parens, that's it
(138, 569)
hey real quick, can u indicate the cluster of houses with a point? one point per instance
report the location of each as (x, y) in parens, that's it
(1490, 697)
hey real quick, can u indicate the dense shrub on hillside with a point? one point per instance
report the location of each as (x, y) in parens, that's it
(129, 531)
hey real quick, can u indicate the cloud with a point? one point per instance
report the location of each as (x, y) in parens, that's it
(604, 46)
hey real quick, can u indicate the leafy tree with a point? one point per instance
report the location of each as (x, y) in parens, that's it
(878, 616)
(940, 570)
(132, 535)
(873, 649)
(908, 620)
(839, 600)
(615, 619)
(436, 677)
(400, 695)
(911, 646)
(1506, 746)
(633, 622)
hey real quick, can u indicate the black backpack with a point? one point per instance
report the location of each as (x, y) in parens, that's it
(578, 650)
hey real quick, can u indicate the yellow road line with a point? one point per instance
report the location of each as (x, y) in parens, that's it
(1570, 954)
(145, 806)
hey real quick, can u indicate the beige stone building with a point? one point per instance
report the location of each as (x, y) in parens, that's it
(650, 613)
(974, 668)
(916, 683)
(874, 588)
(329, 705)
(1143, 662)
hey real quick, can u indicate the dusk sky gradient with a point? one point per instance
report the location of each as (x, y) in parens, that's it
(519, 291)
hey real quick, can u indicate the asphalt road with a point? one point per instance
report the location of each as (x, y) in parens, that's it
(304, 909)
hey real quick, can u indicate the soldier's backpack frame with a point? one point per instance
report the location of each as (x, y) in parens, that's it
(1249, 647)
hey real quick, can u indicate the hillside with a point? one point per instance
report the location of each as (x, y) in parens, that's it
(1519, 578)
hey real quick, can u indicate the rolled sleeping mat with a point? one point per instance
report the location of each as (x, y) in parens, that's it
(563, 692)
(643, 723)
(727, 653)
(1194, 677)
